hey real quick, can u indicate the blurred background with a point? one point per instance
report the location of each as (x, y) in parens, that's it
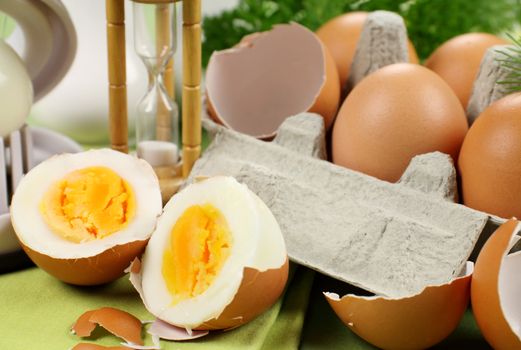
(77, 106)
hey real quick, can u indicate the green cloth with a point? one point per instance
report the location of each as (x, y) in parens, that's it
(37, 311)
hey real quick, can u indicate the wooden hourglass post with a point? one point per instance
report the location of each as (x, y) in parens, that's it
(118, 124)
(191, 83)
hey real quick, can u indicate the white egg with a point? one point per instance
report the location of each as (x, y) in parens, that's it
(16, 90)
(254, 247)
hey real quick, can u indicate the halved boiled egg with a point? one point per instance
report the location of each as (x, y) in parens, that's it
(84, 217)
(216, 260)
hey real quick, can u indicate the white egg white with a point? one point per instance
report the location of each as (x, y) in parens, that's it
(257, 242)
(34, 232)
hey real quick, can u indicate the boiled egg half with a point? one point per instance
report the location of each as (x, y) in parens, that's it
(84, 217)
(216, 260)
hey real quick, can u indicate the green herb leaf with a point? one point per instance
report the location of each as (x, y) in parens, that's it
(429, 22)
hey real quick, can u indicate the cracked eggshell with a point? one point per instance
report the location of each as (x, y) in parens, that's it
(253, 87)
(416, 322)
(97, 261)
(252, 277)
(341, 34)
(496, 289)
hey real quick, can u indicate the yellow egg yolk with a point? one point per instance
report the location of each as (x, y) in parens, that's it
(87, 204)
(200, 243)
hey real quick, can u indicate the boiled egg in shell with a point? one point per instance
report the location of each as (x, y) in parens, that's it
(216, 260)
(84, 217)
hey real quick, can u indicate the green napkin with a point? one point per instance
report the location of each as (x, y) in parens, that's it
(37, 312)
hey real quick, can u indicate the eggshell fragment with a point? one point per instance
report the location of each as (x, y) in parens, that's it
(167, 331)
(270, 76)
(117, 322)
(496, 287)
(415, 322)
(457, 61)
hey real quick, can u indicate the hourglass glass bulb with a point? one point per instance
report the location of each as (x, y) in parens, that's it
(155, 39)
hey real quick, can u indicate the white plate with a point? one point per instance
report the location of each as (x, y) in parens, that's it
(46, 144)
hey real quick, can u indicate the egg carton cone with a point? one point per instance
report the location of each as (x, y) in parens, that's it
(383, 41)
(390, 239)
(486, 88)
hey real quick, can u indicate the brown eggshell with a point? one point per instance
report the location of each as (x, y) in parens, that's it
(415, 322)
(118, 322)
(394, 114)
(91, 346)
(253, 87)
(496, 287)
(257, 292)
(341, 34)
(489, 162)
(99, 269)
(457, 61)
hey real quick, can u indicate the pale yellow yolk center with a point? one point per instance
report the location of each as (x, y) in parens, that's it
(200, 243)
(89, 203)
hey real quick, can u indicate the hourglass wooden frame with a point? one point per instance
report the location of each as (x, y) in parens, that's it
(191, 94)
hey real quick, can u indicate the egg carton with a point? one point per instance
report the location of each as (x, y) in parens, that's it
(390, 239)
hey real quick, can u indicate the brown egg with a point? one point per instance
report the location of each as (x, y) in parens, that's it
(340, 35)
(496, 287)
(253, 87)
(489, 161)
(457, 61)
(394, 114)
(415, 322)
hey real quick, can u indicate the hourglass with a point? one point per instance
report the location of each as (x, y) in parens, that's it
(155, 43)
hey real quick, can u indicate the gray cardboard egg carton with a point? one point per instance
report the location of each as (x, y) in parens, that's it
(390, 239)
